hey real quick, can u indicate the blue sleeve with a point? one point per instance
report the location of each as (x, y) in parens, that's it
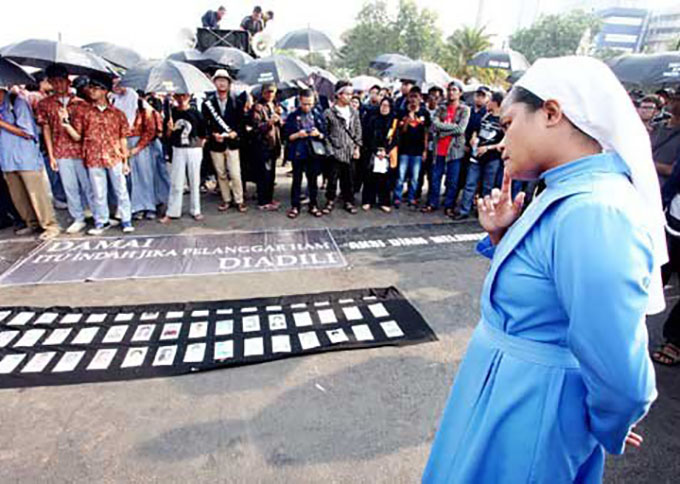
(486, 248)
(602, 264)
(24, 117)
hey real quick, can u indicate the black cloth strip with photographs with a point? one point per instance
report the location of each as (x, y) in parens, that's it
(64, 345)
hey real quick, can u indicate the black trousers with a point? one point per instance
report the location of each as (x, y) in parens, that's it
(266, 174)
(340, 172)
(425, 171)
(311, 168)
(671, 328)
(376, 186)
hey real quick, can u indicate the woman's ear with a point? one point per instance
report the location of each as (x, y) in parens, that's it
(553, 112)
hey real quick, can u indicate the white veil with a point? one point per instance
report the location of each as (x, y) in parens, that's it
(594, 100)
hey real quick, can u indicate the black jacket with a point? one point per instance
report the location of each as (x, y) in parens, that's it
(216, 121)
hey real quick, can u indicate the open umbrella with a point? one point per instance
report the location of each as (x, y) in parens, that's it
(324, 82)
(12, 74)
(229, 57)
(41, 53)
(277, 69)
(420, 72)
(364, 83)
(510, 60)
(647, 70)
(167, 76)
(306, 39)
(192, 56)
(120, 56)
(384, 61)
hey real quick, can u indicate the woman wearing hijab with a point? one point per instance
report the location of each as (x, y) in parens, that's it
(381, 139)
(557, 371)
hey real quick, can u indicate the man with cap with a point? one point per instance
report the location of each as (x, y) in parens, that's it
(343, 129)
(449, 124)
(103, 130)
(224, 122)
(22, 165)
(211, 19)
(65, 154)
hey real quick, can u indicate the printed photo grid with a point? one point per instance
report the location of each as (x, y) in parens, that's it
(78, 345)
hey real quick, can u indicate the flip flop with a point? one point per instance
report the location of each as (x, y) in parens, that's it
(668, 355)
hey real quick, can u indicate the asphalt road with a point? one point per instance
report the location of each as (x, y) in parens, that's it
(364, 416)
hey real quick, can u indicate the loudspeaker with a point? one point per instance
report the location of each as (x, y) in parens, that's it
(207, 38)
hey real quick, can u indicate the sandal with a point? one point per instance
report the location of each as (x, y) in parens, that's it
(427, 209)
(315, 211)
(328, 208)
(668, 355)
(449, 212)
(351, 208)
(293, 213)
(198, 217)
(223, 207)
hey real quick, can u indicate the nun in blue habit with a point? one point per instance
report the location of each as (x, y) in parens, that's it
(557, 372)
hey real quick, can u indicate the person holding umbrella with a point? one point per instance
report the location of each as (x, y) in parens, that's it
(103, 130)
(65, 154)
(22, 165)
(223, 123)
(187, 132)
(266, 122)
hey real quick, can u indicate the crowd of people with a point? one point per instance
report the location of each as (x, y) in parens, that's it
(104, 149)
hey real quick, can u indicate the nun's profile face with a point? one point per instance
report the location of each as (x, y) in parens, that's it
(524, 141)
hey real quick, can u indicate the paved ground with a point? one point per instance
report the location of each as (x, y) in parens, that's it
(361, 416)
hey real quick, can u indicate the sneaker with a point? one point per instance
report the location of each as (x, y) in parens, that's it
(150, 216)
(114, 223)
(366, 207)
(76, 227)
(138, 216)
(385, 209)
(99, 229)
(128, 228)
(24, 231)
(49, 234)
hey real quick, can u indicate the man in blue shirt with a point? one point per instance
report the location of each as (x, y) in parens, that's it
(211, 19)
(22, 165)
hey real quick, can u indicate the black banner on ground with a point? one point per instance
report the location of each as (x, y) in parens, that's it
(97, 259)
(63, 345)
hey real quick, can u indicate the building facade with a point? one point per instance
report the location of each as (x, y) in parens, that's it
(663, 30)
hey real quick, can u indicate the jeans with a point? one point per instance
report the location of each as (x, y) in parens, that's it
(76, 183)
(408, 164)
(425, 172)
(311, 168)
(185, 160)
(452, 169)
(99, 178)
(487, 171)
(56, 183)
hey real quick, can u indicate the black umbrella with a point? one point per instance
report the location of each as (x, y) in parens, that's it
(324, 82)
(285, 89)
(277, 69)
(385, 61)
(12, 74)
(229, 57)
(510, 60)
(192, 56)
(306, 39)
(42, 53)
(167, 76)
(647, 70)
(120, 56)
(420, 72)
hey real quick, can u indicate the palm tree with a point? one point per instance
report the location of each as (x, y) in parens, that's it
(461, 46)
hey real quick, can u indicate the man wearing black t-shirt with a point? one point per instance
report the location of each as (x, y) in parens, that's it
(414, 132)
(485, 158)
(253, 23)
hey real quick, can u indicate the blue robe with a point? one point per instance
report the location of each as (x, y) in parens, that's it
(557, 370)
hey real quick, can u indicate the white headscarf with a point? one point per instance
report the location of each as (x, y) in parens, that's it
(594, 100)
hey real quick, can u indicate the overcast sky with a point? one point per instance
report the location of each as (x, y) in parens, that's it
(152, 26)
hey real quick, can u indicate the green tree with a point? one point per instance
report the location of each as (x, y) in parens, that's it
(412, 32)
(554, 35)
